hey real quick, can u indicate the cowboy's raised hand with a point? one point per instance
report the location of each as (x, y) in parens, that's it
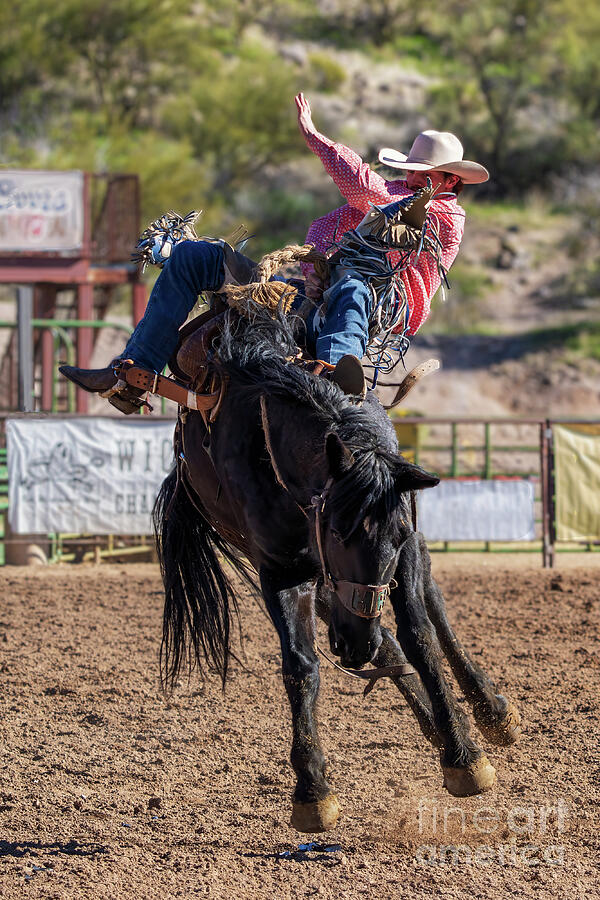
(304, 113)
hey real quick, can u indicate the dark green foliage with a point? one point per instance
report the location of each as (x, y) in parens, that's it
(157, 87)
(326, 74)
(196, 97)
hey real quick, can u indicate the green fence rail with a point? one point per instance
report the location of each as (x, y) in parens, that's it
(468, 448)
(59, 328)
(451, 448)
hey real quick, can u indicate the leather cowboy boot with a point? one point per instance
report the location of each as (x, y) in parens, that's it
(106, 382)
(95, 381)
(239, 269)
(125, 397)
(349, 376)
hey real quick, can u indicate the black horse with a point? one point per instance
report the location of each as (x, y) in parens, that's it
(310, 489)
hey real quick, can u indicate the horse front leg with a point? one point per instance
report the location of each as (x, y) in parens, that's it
(410, 686)
(390, 653)
(290, 604)
(497, 718)
(465, 767)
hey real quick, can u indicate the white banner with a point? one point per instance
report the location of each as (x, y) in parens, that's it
(477, 511)
(40, 211)
(85, 475)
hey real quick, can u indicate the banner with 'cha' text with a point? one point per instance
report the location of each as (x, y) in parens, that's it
(86, 475)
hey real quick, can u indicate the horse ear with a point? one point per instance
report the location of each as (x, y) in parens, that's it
(413, 478)
(338, 455)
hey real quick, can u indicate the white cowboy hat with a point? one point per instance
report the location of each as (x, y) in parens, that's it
(436, 151)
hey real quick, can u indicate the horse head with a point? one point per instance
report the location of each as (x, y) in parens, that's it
(361, 520)
(354, 496)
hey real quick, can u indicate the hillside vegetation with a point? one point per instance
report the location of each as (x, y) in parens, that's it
(197, 98)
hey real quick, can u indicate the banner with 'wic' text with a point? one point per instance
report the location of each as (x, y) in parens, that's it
(86, 475)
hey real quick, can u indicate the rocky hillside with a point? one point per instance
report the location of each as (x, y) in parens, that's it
(509, 336)
(528, 342)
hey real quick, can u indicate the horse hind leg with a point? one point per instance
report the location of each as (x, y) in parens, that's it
(496, 717)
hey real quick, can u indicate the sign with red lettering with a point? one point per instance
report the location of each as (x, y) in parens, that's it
(40, 211)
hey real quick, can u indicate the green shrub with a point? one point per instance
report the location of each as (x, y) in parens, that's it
(327, 74)
(585, 342)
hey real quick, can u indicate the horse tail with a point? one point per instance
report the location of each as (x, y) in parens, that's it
(199, 599)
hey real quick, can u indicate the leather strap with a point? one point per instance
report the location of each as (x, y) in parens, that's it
(372, 676)
(364, 600)
(318, 366)
(424, 368)
(318, 503)
(166, 387)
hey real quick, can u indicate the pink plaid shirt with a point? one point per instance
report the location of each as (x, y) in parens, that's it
(362, 187)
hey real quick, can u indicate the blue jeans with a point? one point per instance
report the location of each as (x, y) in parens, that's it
(193, 267)
(345, 328)
(196, 266)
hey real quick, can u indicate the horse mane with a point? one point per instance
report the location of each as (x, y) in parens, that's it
(257, 356)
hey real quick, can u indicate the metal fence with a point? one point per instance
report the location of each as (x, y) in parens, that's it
(454, 448)
(490, 449)
(51, 392)
(486, 449)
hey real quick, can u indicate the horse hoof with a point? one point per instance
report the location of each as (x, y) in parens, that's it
(477, 777)
(504, 730)
(320, 815)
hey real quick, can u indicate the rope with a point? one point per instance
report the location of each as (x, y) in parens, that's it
(271, 295)
(272, 262)
(365, 253)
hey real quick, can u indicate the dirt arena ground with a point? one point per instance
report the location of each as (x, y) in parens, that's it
(107, 790)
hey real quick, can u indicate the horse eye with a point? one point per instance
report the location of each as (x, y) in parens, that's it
(337, 536)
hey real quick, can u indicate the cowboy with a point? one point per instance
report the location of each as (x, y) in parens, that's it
(340, 338)
(435, 155)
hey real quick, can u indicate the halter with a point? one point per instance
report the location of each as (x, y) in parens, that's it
(364, 600)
